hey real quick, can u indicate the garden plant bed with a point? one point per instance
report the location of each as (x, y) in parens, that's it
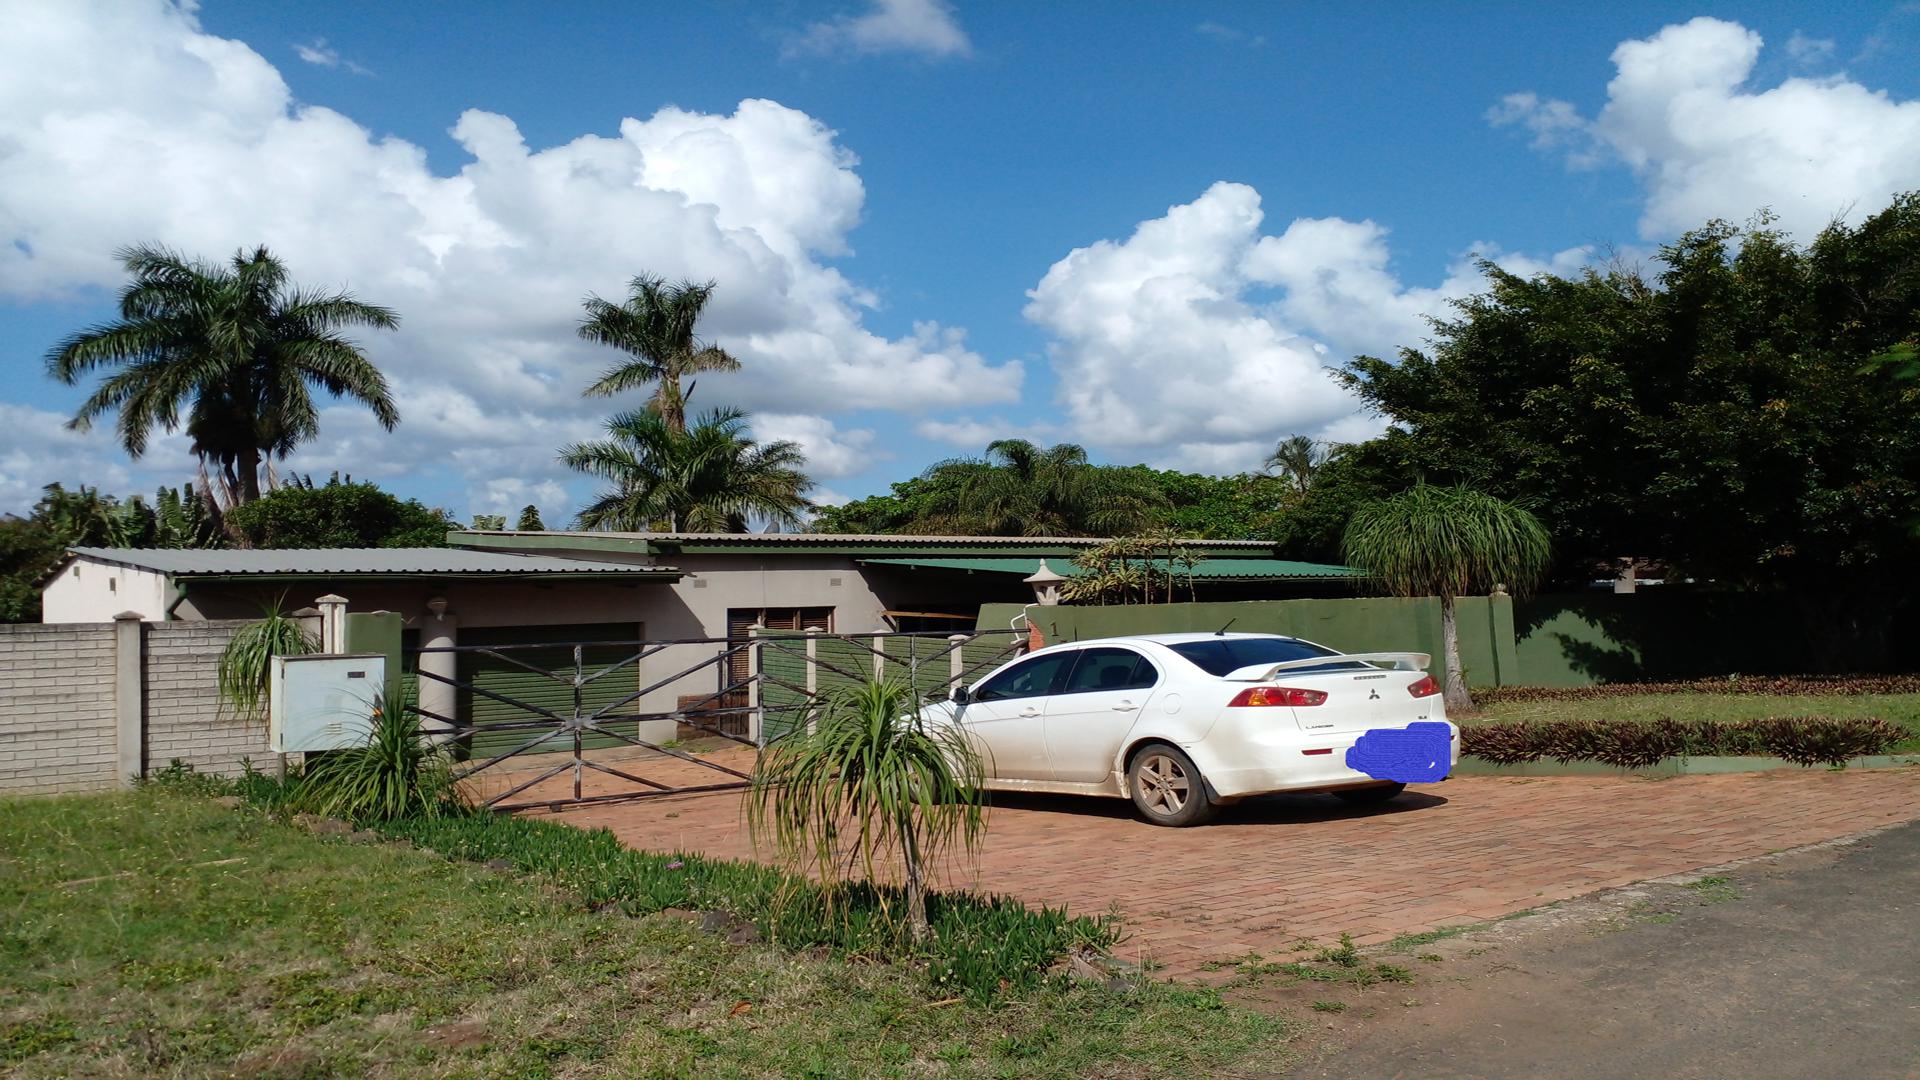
(1891, 699)
(1686, 766)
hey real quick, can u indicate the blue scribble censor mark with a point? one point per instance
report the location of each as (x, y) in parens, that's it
(1416, 754)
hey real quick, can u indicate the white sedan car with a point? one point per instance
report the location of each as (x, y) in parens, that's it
(1185, 723)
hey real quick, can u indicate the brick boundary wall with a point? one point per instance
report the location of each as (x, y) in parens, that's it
(87, 706)
(57, 712)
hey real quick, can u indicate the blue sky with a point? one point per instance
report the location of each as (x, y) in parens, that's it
(1253, 192)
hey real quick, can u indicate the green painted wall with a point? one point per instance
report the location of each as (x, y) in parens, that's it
(379, 632)
(1357, 624)
(1579, 639)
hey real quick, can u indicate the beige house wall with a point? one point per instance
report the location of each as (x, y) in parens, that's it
(693, 608)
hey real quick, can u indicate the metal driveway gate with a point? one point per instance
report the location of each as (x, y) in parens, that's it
(549, 708)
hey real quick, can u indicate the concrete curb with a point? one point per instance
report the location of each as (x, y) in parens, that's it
(1698, 766)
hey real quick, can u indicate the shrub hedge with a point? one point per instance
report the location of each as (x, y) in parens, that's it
(1768, 685)
(1804, 740)
(980, 946)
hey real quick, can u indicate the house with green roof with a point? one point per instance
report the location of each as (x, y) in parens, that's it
(499, 589)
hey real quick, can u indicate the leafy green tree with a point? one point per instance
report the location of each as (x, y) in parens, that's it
(1314, 525)
(489, 522)
(710, 478)
(1020, 489)
(530, 520)
(868, 781)
(1247, 506)
(655, 326)
(1448, 542)
(238, 345)
(1711, 416)
(338, 514)
(907, 502)
(29, 551)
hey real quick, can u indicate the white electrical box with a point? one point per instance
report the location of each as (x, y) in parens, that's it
(323, 702)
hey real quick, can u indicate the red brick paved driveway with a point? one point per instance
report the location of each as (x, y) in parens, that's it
(1270, 872)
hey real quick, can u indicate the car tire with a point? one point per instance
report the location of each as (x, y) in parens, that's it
(1167, 787)
(1372, 795)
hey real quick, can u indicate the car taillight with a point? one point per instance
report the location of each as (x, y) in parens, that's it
(1277, 695)
(1425, 687)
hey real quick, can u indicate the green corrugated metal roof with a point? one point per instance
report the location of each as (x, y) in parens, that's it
(348, 562)
(852, 545)
(1205, 569)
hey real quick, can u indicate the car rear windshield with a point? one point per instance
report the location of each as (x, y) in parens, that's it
(1222, 655)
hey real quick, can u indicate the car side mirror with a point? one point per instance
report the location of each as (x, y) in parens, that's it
(960, 695)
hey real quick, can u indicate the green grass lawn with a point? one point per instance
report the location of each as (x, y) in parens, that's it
(155, 933)
(1902, 709)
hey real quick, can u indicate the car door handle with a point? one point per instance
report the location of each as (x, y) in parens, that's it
(1125, 706)
(1029, 712)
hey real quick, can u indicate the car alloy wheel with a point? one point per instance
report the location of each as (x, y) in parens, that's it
(1167, 788)
(1165, 785)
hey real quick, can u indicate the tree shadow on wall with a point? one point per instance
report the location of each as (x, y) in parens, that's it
(1671, 632)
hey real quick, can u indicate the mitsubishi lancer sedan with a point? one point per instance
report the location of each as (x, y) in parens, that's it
(1186, 723)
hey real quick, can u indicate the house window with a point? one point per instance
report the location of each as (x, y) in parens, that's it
(740, 620)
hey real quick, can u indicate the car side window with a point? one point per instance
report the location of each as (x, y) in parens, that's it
(1029, 678)
(1110, 669)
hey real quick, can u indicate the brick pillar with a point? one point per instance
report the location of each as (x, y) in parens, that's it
(129, 697)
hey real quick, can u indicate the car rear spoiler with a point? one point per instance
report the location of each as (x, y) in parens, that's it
(1402, 661)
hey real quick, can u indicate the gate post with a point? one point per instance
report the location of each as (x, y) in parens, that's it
(813, 677)
(440, 700)
(755, 730)
(956, 659)
(129, 697)
(333, 623)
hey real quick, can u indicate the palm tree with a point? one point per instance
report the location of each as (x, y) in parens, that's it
(655, 326)
(1020, 489)
(866, 780)
(711, 478)
(1298, 458)
(1447, 542)
(244, 346)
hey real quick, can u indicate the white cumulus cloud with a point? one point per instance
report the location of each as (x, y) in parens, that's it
(126, 122)
(36, 449)
(1681, 113)
(831, 451)
(927, 27)
(1198, 341)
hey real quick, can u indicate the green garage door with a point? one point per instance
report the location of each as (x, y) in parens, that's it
(493, 672)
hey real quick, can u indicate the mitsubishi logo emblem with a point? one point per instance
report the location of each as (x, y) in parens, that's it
(1373, 694)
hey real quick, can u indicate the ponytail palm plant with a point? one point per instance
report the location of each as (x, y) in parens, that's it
(870, 781)
(1448, 542)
